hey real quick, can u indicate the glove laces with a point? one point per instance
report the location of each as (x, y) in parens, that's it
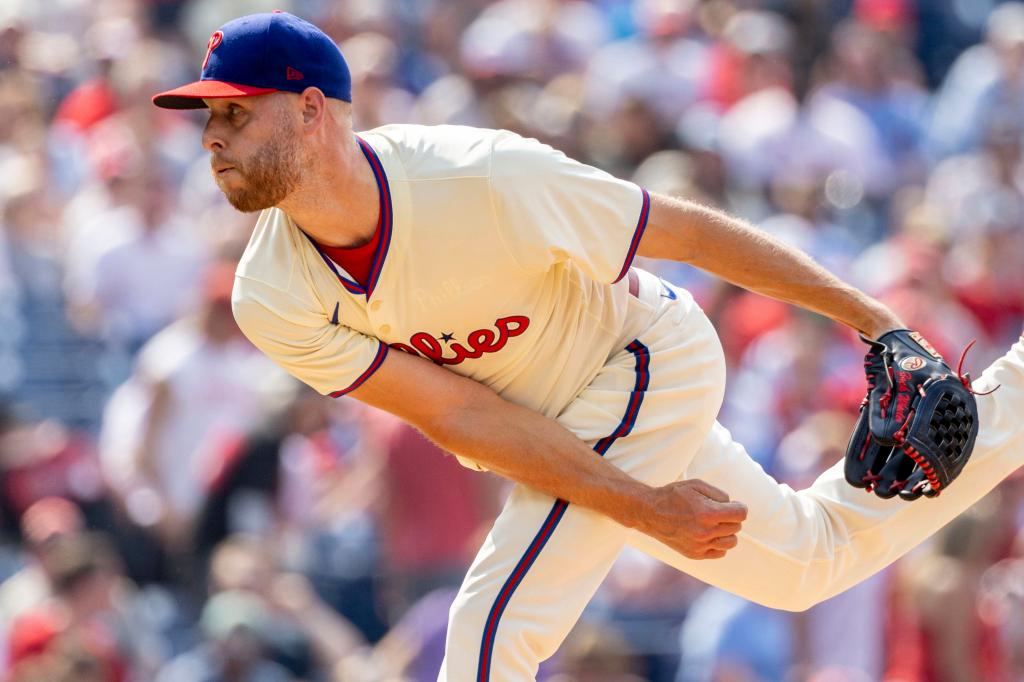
(965, 378)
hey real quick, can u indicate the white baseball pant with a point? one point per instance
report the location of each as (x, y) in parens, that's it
(651, 411)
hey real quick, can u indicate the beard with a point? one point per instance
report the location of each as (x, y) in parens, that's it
(268, 177)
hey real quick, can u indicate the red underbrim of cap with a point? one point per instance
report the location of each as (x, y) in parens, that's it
(191, 96)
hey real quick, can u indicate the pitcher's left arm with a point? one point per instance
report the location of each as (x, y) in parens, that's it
(740, 253)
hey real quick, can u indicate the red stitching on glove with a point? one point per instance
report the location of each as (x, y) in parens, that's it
(901, 433)
(925, 465)
(870, 479)
(965, 379)
(864, 448)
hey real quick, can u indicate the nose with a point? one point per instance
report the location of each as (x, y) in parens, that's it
(212, 140)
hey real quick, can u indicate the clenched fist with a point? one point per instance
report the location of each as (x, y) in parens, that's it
(692, 517)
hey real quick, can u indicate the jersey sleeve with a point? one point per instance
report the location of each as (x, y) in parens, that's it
(551, 208)
(331, 358)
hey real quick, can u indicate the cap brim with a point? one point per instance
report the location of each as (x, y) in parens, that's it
(191, 96)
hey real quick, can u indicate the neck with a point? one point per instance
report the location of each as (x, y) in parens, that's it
(337, 203)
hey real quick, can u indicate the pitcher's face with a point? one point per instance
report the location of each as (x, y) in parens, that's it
(254, 154)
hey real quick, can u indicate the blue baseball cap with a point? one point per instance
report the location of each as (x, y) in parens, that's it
(263, 53)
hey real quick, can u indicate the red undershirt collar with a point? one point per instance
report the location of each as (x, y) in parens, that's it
(356, 260)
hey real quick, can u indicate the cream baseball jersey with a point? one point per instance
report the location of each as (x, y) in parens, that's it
(500, 258)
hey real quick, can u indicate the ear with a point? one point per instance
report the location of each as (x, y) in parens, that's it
(313, 105)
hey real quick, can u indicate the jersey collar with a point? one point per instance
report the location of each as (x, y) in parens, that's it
(386, 227)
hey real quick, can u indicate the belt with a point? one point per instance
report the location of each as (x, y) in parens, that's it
(634, 283)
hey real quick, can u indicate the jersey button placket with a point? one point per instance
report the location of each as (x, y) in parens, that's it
(374, 307)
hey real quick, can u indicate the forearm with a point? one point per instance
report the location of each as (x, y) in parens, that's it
(749, 258)
(526, 447)
(474, 422)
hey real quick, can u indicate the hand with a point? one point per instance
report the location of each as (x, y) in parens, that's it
(694, 518)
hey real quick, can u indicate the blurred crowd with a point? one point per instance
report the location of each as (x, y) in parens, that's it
(173, 508)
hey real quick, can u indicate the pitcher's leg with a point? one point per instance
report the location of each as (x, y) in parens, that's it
(542, 562)
(537, 570)
(799, 548)
(647, 411)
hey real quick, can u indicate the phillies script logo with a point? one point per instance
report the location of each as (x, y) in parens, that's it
(479, 342)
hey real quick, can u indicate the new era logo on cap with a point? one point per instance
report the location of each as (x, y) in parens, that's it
(263, 53)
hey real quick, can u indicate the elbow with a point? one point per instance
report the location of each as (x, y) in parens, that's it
(448, 435)
(440, 428)
(479, 430)
(457, 426)
(444, 432)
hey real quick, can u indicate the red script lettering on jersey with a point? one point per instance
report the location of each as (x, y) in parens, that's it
(480, 341)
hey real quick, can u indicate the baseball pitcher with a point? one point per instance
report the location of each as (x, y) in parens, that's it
(479, 285)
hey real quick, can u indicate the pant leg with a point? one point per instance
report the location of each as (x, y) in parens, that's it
(648, 411)
(799, 548)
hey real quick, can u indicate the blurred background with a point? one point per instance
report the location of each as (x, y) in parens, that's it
(172, 508)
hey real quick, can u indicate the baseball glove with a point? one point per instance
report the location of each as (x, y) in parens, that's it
(917, 422)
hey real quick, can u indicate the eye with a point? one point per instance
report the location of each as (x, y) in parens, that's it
(235, 113)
